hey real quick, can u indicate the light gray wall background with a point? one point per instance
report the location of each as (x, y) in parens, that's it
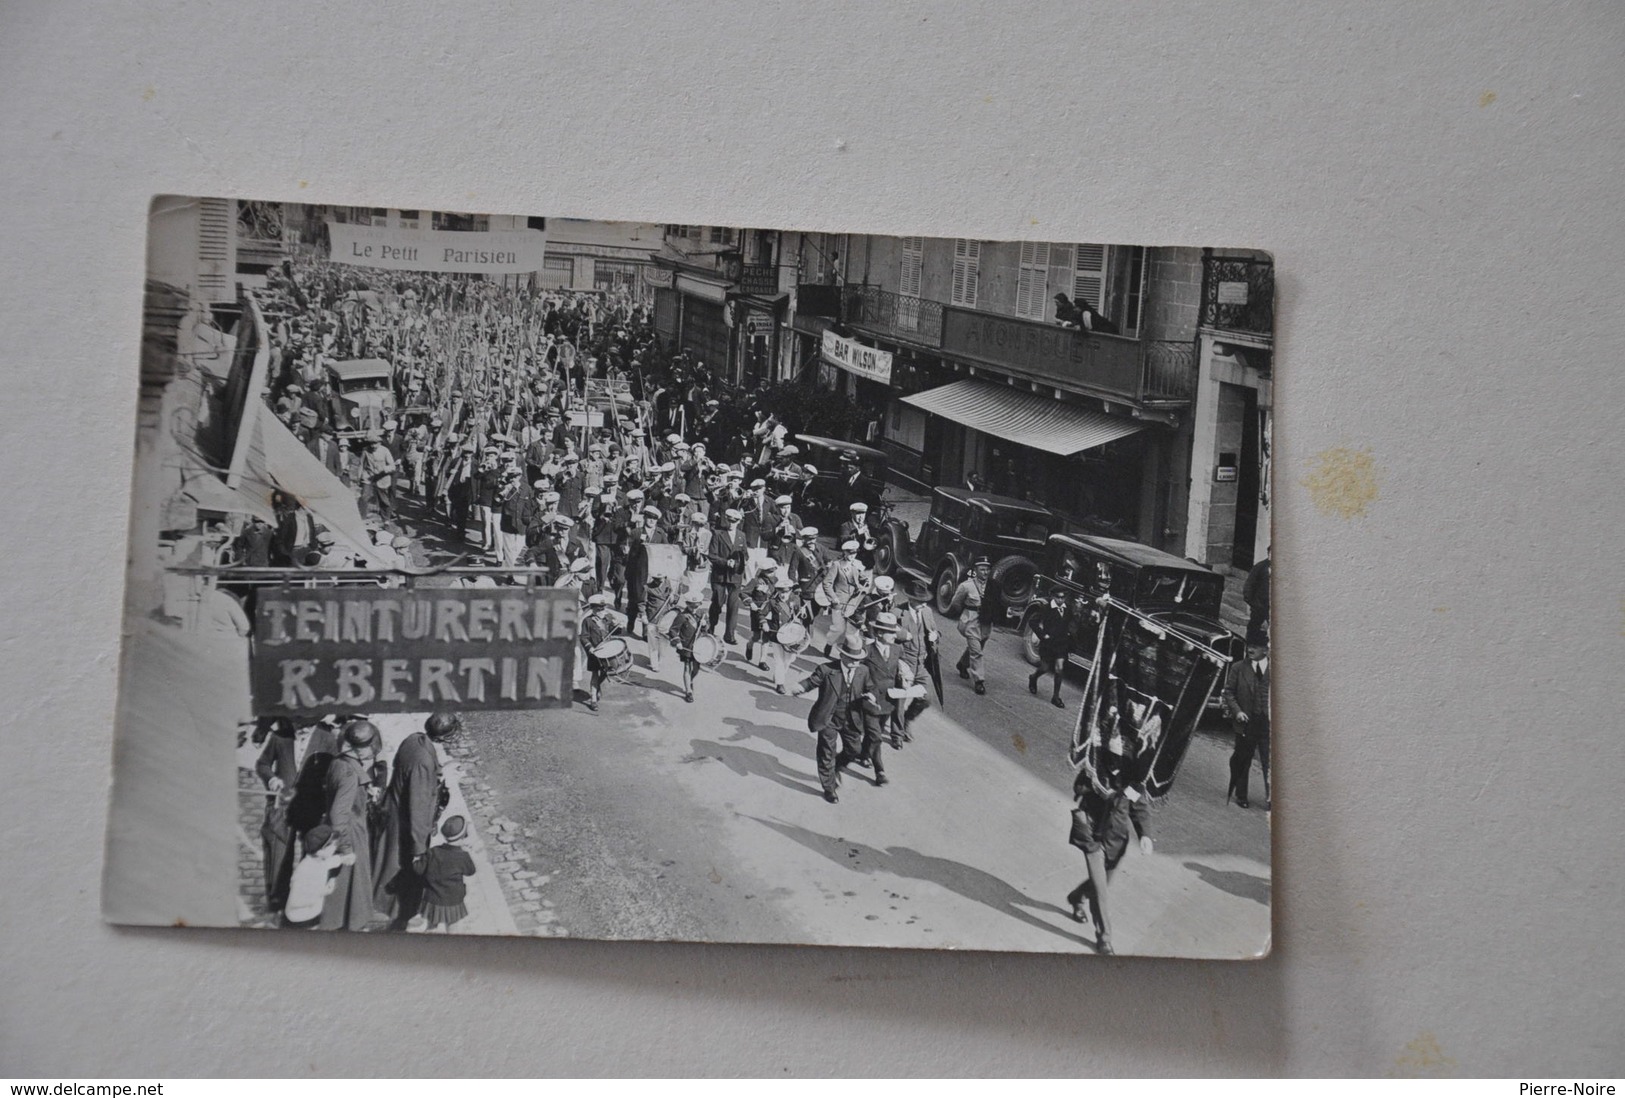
(1439, 183)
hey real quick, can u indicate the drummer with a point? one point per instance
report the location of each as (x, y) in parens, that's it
(781, 622)
(596, 628)
(659, 595)
(686, 628)
(758, 593)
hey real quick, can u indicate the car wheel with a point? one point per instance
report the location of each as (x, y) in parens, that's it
(886, 554)
(1016, 579)
(1029, 640)
(947, 582)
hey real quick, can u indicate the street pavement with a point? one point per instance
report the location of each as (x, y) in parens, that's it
(659, 819)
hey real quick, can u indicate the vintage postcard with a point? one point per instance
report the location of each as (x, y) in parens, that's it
(533, 576)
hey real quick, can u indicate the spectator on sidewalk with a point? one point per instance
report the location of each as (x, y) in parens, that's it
(445, 868)
(416, 796)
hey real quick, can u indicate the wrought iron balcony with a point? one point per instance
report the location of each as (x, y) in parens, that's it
(1238, 295)
(916, 319)
(1169, 371)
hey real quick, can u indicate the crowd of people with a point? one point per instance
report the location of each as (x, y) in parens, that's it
(553, 437)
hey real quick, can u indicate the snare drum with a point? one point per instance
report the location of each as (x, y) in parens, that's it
(793, 637)
(615, 655)
(708, 651)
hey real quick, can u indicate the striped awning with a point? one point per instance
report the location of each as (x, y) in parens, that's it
(1024, 418)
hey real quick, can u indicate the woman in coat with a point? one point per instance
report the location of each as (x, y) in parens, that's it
(349, 780)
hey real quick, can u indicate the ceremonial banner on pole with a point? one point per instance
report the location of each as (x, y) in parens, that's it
(506, 251)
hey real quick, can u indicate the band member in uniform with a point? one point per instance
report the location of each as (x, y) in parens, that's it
(784, 530)
(759, 518)
(846, 699)
(807, 569)
(1053, 626)
(727, 557)
(844, 583)
(758, 593)
(1247, 700)
(659, 595)
(644, 534)
(882, 600)
(596, 628)
(782, 609)
(882, 726)
(973, 603)
(856, 528)
(685, 630)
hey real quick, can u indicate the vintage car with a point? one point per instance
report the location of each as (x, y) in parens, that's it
(366, 386)
(847, 472)
(963, 526)
(1173, 593)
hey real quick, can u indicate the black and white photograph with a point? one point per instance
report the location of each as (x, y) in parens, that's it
(525, 575)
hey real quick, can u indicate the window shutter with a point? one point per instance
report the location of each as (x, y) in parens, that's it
(1032, 285)
(967, 257)
(216, 223)
(1089, 277)
(908, 282)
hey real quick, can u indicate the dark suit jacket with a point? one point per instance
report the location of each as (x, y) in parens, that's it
(759, 520)
(725, 564)
(837, 703)
(1247, 691)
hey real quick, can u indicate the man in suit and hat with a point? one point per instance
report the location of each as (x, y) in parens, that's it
(917, 637)
(884, 660)
(847, 698)
(1247, 701)
(292, 752)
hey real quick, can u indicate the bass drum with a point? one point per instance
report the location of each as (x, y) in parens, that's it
(708, 651)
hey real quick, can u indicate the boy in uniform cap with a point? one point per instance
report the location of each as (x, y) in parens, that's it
(685, 630)
(643, 531)
(595, 630)
(783, 608)
(846, 699)
(758, 593)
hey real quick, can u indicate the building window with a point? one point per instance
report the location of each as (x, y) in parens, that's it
(721, 235)
(464, 223)
(1125, 294)
(967, 258)
(1032, 286)
(908, 283)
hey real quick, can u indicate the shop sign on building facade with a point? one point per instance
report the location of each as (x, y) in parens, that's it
(398, 650)
(1106, 363)
(850, 355)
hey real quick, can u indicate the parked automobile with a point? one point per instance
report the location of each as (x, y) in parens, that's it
(963, 526)
(366, 386)
(847, 473)
(1174, 593)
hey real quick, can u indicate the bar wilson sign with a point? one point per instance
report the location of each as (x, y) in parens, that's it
(849, 354)
(365, 650)
(503, 251)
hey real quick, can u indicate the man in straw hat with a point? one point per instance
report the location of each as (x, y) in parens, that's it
(846, 700)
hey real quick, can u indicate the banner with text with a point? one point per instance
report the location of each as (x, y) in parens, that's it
(849, 354)
(366, 650)
(504, 251)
